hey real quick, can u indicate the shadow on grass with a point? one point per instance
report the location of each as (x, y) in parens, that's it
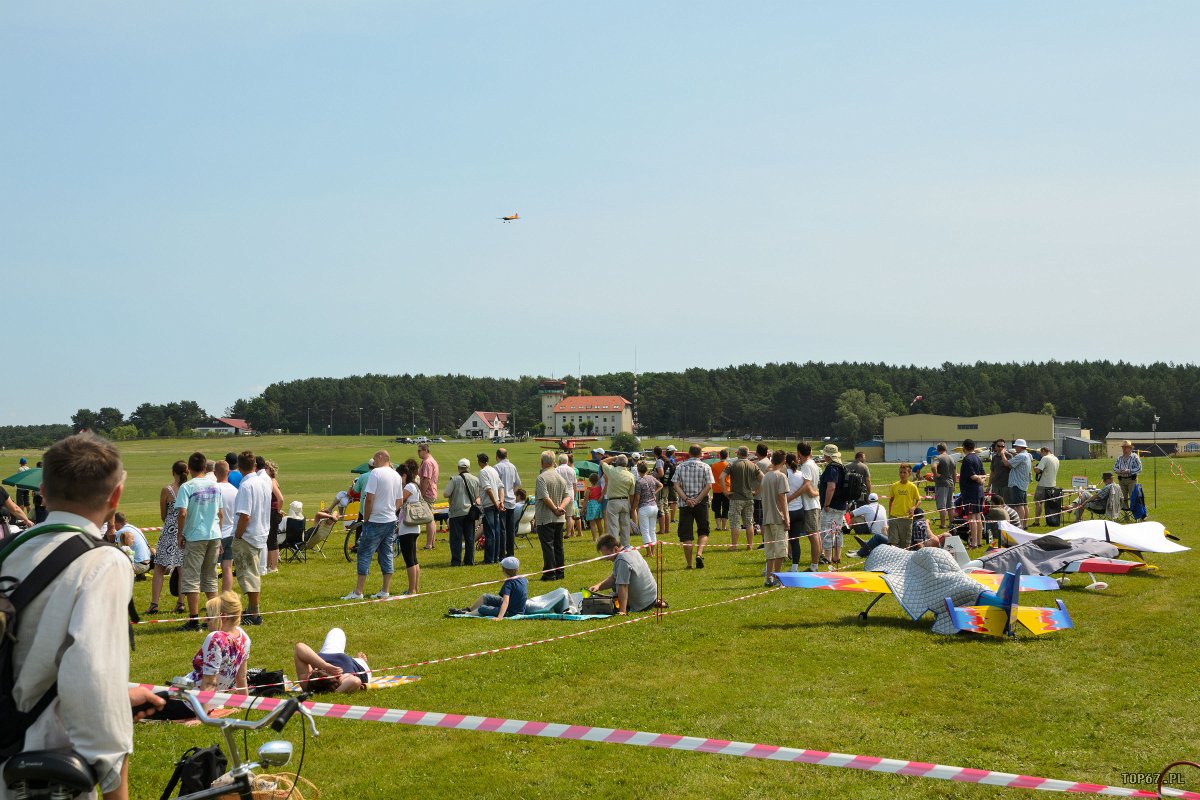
(842, 622)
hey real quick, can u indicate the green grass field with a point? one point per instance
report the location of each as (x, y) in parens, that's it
(1116, 695)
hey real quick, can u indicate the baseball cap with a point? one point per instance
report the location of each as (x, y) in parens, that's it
(872, 498)
(598, 450)
(510, 562)
(23, 460)
(1020, 443)
(670, 448)
(464, 463)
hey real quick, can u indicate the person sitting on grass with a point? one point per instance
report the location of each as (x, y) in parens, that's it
(331, 670)
(512, 598)
(635, 585)
(220, 664)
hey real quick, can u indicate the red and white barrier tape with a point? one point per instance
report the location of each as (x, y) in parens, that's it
(589, 733)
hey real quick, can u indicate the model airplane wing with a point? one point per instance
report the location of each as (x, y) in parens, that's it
(1106, 566)
(1045, 620)
(1143, 537)
(1029, 583)
(872, 582)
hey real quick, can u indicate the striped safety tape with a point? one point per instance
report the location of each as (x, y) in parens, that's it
(588, 733)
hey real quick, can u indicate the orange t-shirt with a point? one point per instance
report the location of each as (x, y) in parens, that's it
(720, 479)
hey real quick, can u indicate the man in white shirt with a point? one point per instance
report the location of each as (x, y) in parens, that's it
(1047, 481)
(511, 481)
(78, 622)
(870, 518)
(253, 512)
(491, 494)
(229, 495)
(810, 492)
(384, 490)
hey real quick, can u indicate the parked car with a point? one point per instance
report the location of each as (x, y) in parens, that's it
(437, 439)
(403, 440)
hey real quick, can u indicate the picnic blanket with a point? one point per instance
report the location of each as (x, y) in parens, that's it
(542, 615)
(377, 682)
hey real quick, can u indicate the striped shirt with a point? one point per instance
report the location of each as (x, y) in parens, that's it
(1130, 463)
(692, 477)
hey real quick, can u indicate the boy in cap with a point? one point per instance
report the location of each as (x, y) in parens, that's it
(514, 592)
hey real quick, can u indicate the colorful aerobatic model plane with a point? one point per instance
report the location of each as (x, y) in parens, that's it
(515, 216)
(930, 580)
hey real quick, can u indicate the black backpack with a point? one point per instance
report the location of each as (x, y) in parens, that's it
(15, 597)
(851, 486)
(196, 770)
(668, 470)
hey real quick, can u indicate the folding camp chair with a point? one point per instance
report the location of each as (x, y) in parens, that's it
(292, 548)
(525, 524)
(316, 538)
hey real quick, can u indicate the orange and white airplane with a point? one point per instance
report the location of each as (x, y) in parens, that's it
(515, 216)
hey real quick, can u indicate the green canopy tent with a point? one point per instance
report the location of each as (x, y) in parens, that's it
(29, 479)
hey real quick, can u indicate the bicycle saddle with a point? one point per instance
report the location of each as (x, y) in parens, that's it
(38, 768)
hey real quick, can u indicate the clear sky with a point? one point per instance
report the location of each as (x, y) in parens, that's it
(200, 198)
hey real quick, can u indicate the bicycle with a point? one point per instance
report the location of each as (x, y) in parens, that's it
(350, 546)
(64, 774)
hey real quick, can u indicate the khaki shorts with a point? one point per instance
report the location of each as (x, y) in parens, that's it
(141, 569)
(741, 514)
(774, 541)
(199, 570)
(245, 563)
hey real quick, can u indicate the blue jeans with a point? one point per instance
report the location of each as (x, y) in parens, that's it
(376, 537)
(510, 519)
(493, 535)
(462, 541)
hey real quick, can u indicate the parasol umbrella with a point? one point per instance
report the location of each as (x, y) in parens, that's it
(362, 468)
(29, 479)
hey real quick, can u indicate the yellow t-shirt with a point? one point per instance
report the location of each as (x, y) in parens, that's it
(903, 497)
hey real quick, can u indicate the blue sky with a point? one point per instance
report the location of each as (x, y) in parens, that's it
(202, 198)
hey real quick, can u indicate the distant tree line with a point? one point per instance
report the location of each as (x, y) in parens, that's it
(846, 400)
(25, 437)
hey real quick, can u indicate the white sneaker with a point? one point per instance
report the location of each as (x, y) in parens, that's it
(813, 568)
(353, 596)
(381, 595)
(795, 568)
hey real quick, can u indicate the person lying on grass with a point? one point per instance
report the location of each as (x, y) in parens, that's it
(331, 670)
(512, 598)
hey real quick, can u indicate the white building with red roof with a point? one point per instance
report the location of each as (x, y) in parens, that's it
(484, 425)
(224, 426)
(609, 413)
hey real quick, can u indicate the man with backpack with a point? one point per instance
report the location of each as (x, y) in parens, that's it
(64, 680)
(832, 491)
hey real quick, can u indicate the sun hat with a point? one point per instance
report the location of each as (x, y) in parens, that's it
(510, 562)
(296, 510)
(1020, 443)
(464, 463)
(1126, 443)
(831, 452)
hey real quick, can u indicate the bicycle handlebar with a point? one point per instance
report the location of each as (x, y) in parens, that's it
(277, 718)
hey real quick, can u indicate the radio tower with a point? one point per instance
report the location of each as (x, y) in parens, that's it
(635, 392)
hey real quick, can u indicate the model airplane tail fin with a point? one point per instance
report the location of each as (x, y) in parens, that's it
(1009, 588)
(955, 546)
(1045, 620)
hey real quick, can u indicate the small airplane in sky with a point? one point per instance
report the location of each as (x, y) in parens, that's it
(515, 216)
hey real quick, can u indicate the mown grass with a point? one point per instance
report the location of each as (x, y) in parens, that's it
(1115, 695)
